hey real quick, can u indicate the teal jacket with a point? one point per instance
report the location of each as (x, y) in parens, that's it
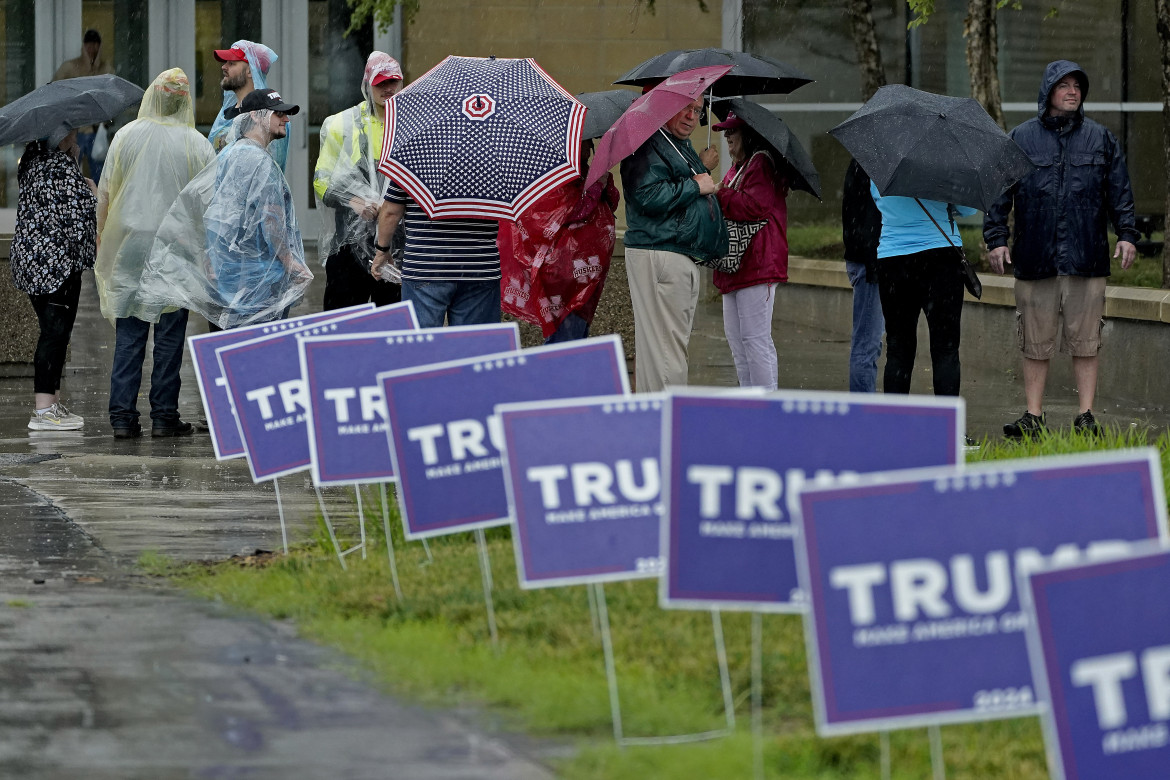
(664, 209)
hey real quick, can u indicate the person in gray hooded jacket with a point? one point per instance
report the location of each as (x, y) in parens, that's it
(1060, 250)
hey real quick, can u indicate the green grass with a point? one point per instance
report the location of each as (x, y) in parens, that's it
(822, 241)
(547, 675)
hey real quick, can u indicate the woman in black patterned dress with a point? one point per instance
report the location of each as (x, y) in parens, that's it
(55, 240)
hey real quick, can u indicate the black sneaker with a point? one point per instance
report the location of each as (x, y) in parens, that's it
(127, 431)
(1028, 425)
(1086, 423)
(180, 428)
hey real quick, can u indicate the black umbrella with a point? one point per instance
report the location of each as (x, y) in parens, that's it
(802, 174)
(604, 109)
(66, 104)
(921, 145)
(751, 74)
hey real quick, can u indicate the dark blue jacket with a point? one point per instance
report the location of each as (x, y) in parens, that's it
(1064, 206)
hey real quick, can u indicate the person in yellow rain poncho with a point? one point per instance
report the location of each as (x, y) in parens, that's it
(150, 161)
(349, 190)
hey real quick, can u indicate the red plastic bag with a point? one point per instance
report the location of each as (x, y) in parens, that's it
(554, 259)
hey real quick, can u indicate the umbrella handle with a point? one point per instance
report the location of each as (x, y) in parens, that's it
(710, 95)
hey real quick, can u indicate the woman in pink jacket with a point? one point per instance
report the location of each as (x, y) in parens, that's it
(753, 190)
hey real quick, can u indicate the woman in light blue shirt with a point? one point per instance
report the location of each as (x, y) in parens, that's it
(919, 272)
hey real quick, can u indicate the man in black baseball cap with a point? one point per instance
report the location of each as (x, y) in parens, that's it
(253, 241)
(261, 100)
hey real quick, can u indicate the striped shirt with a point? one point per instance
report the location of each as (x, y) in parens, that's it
(446, 250)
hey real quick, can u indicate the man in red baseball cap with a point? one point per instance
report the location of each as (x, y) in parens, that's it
(244, 67)
(349, 190)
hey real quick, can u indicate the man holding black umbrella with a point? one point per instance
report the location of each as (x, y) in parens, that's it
(1061, 250)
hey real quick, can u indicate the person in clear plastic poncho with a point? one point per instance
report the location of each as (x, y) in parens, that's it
(349, 190)
(230, 247)
(150, 161)
(245, 68)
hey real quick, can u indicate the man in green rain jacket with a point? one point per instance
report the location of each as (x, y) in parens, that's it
(672, 219)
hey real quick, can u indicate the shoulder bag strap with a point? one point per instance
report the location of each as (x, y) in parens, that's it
(932, 219)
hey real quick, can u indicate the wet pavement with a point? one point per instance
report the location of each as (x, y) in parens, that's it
(107, 674)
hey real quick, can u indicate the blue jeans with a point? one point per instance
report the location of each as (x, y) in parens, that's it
(458, 303)
(126, 376)
(868, 324)
(85, 145)
(571, 328)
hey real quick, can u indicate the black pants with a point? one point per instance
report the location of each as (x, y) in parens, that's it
(56, 312)
(348, 283)
(928, 282)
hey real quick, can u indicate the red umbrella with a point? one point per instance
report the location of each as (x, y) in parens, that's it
(648, 113)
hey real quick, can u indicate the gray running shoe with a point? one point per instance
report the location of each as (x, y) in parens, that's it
(55, 418)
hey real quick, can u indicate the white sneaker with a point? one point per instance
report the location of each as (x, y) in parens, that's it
(55, 418)
(69, 416)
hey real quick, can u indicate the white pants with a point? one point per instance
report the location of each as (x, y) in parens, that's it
(747, 321)
(664, 291)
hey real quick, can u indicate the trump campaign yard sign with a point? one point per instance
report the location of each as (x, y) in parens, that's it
(268, 392)
(217, 404)
(734, 466)
(914, 616)
(444, 435)
(584, 488)
(1099, 638)
(347, 414)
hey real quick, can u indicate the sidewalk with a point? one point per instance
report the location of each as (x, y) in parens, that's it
(105, 674)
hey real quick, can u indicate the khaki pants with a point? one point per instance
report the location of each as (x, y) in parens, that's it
(664, 290)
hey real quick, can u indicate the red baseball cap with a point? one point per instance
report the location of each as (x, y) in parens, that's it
(379, 78)
(732, 122)
(230, 55)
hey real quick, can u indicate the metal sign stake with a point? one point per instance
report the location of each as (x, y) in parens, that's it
(937, 766)
(615, 701)
(389, 540)
(485, 568)
(757, 697)
(357, 491)
(280, 512)
(329, 526)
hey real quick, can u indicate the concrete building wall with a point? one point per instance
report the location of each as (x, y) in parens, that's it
(583, 44)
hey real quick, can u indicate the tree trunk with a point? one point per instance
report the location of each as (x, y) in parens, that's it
(869, 56)
(1163, 9)
(979, 29)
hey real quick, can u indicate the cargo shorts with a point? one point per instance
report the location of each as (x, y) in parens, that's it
(1072, 305)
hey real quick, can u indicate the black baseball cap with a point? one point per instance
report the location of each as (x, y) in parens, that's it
(259, 99)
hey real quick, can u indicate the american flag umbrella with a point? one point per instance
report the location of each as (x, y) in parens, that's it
(482, 137)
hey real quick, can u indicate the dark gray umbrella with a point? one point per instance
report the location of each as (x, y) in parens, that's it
(751, 74)
(604, 109)
(66, 104)
(802, 174)
(922, 145)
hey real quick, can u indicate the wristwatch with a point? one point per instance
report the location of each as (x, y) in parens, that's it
(381, 248)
